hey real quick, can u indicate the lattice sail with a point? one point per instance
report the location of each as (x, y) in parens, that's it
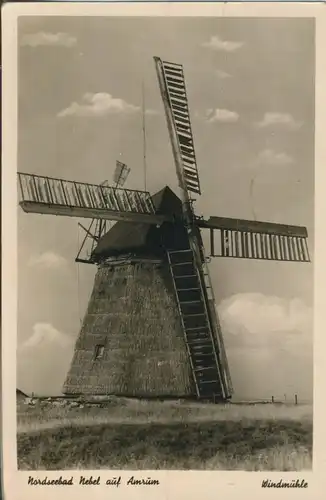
(63, 192)
(176, 95)
(257, 240)
(262, 246)
(77, 199)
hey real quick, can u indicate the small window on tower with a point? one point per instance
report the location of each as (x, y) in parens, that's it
(99, 350)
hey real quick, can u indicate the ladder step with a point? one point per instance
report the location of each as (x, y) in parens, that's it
(180, 251)
(195, 329)
(192, 315)
(182, 263)
(197, 353)
(204, 330)
(205, 368)
(200, 360)
(185, 276)
(188, 289)
(191, 301)
(201, 370)
(199, 340)
(200, 365)
(193, 335)
(200, 343)
(203, 361)
(203, 325)
(203, 355)
(202, 382)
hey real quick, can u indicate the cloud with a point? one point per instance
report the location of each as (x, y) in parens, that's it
(216, 43)
(222, 75)
(45, 333)
(49, 260)
(100, 104)
(221, 115)
(48, 39)
(257, 321)
(270, 157)
(260, 314)
(269, 344)
(283, 119)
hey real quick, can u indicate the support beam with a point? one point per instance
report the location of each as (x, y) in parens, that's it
(211, 234)
(253, 226)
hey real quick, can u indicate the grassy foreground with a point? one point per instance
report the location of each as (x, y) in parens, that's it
(133, 434)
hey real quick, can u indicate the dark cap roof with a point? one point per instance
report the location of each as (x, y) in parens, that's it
(129, 237)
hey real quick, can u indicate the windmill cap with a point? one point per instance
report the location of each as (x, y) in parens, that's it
(126, 237)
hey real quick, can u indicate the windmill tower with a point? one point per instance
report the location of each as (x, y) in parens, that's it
(151, 327)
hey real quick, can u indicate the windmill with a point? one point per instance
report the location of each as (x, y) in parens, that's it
(151, 327)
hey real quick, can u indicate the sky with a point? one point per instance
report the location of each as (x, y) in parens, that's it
(250, 86)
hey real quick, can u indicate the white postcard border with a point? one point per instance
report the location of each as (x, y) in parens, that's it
(183, 485)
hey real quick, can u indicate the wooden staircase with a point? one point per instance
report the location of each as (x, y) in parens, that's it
(198, 331)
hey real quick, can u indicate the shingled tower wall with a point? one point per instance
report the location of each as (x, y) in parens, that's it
(132, 313)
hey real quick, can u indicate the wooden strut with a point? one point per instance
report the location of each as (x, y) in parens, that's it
(100, 229)
(87, 231)
(78, 258)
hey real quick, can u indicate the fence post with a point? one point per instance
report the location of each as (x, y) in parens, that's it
(296, 399)
(272, 399)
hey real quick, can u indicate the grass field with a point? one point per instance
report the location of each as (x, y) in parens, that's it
(134, 434)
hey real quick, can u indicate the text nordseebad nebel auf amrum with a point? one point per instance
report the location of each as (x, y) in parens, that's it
(92, 481)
